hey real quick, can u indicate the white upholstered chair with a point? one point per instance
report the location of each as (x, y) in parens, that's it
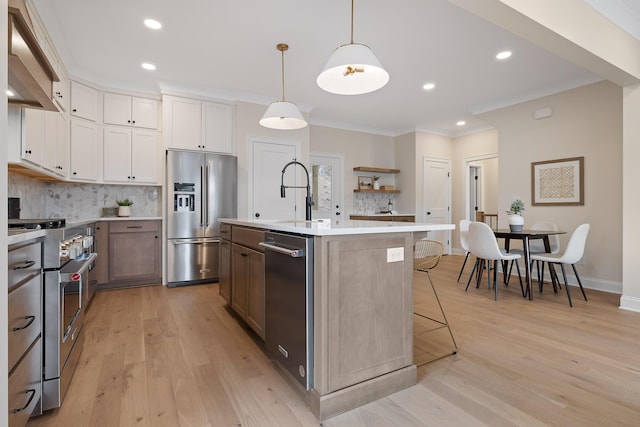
(464, 242)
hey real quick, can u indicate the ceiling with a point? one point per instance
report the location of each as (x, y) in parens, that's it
(227, 50)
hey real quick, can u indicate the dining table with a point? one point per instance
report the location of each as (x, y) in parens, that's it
(526, 236)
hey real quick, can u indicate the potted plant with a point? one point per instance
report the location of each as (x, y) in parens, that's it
(515, 218)
(124, 207)
(376, 183)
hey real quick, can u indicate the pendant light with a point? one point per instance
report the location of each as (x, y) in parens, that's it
(283, 114)
(352, 69)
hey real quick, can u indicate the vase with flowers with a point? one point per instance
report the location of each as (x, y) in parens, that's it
(516, 221)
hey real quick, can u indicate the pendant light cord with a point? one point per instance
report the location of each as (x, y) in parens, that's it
(282, 51)
(352, 21)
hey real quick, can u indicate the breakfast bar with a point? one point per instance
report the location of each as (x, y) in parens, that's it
(362, 329)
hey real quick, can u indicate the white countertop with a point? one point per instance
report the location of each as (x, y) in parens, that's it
(383, 214)
(128, 218)
(326, 227)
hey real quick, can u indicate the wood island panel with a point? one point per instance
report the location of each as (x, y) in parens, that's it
(391, 217)
(362, 320)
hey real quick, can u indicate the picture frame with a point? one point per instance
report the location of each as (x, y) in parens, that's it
(365, 183)
(558, 182)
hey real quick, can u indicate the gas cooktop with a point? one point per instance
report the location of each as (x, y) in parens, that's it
(36, 224)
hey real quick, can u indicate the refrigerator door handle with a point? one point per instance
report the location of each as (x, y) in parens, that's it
(203, 196)
(195, 241)
(206, 197)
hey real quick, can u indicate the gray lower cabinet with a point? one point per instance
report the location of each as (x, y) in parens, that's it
(247, 277)
(24, 344)
(133, 251)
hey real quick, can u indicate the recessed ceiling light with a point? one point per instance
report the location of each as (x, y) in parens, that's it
(153, 24)
(9, 93)
(461, 123)
(503, 55)
(428, 86)
(148, 66)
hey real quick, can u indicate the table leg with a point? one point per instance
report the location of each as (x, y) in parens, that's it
(527, 264)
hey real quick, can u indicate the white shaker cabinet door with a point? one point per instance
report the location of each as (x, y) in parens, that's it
(182, 122)
(84, 101)
(84, 151)
(144, 113)
(117, 155)
(144, 157)
(217, 127)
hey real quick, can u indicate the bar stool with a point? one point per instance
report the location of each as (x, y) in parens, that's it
(427, 254)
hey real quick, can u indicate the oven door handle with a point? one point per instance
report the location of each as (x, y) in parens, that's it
(195, 241)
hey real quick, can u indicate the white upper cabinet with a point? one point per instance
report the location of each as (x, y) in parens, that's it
(217, 127)
(182, 122)
(130, 111)
(84, 101)
(84, 151)
(194, 124)
(33, 136)
(130, 156)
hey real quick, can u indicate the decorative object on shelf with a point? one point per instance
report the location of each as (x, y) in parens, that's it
(364, 183)
(376, 182)
(283, 114)
(558, 182)
(124, 207)
(352, 69)
(516, 221)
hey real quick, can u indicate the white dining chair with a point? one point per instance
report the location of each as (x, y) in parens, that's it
(572, 254)
(484, 246)
(464, 243)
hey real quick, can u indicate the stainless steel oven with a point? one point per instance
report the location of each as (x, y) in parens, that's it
(68, 258)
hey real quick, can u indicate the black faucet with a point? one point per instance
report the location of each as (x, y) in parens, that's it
(308, 201)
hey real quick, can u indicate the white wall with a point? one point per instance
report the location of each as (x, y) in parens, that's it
(358, 149)
(587, 122)
(247, 128)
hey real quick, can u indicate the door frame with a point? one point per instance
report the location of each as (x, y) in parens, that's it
(252, 140)
(469, 162)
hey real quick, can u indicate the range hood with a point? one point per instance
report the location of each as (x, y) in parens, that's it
(31, 75)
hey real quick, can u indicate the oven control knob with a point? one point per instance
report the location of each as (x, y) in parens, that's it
(75, 277)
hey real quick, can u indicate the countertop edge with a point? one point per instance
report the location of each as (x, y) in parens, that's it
(25, 236)
(340, 227)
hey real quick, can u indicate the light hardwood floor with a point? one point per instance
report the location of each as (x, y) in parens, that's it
(175, 357)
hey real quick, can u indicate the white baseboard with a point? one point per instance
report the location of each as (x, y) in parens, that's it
(630, 303)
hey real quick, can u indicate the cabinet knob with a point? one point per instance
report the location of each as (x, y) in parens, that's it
(75, 173)
(133, 177)
(128, 121)
(28, 151)
(133, 121)
(75, 110)
(257, 214)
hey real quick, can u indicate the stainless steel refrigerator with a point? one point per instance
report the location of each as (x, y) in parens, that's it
(201, 187)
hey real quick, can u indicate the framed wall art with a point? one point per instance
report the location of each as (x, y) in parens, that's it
(558, 182)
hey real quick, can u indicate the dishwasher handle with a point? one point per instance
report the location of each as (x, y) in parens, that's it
(293, 253)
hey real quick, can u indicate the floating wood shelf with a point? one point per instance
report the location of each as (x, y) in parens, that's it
(375, 191)
(378, 170)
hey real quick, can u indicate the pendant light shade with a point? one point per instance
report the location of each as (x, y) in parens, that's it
(282, 114)
(352, 69)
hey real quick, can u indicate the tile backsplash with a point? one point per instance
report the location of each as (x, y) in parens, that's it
(371, 203)
(79, 202)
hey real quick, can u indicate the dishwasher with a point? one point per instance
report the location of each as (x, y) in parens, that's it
(289, 303)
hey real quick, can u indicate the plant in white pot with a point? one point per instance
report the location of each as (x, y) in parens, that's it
(124, 207)
(376, 182)
(515, 218)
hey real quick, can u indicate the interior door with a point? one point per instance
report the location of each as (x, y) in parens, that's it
(437, 198)
(327, 185)
(268, 160)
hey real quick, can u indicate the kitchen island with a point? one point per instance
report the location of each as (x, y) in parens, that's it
(362, 307)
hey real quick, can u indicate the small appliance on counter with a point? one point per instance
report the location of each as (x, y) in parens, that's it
(14, 208)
